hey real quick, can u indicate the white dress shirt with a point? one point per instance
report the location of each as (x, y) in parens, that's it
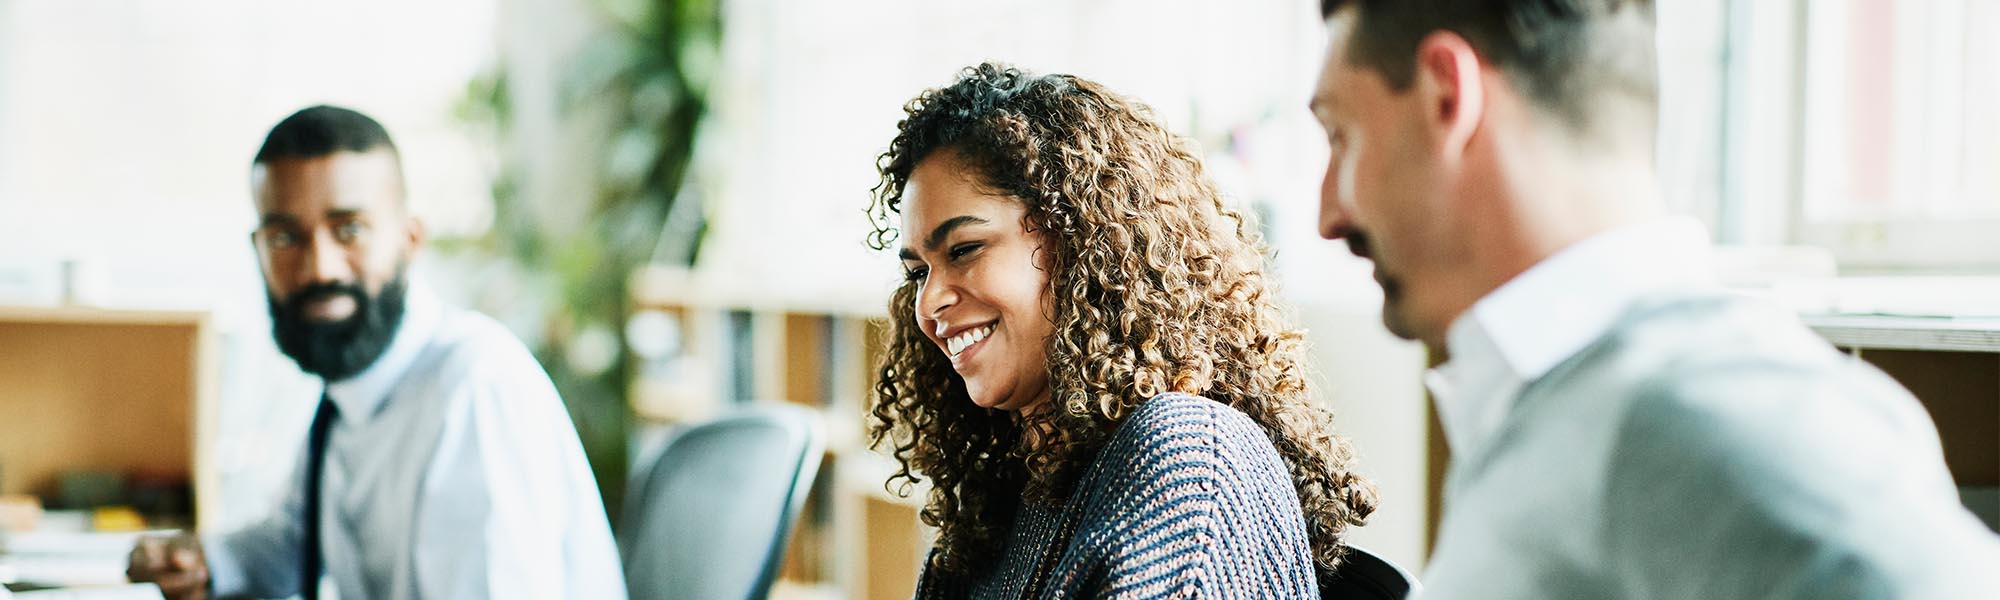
(1545, 315)
(453, 471)
(1622, 428)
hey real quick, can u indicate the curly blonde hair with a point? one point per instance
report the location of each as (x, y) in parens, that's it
(1155, 286)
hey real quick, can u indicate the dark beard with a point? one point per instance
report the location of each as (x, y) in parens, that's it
(341, 349)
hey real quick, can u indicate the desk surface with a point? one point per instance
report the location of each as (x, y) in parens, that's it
(127, 591)
(65, 563)
(1887, 332)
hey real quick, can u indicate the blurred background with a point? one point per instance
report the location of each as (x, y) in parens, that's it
(664, 199)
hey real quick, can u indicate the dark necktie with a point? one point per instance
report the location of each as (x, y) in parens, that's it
(309, 558)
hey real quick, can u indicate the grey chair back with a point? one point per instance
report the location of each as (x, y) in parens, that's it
(1365, 576)
(708, 520)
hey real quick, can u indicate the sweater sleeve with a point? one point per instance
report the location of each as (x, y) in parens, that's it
(1194, 503)
(936, 585)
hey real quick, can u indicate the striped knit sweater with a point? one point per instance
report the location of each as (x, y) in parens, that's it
(1188, 500)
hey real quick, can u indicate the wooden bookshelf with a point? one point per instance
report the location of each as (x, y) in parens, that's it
(125, 391)
(854, 538)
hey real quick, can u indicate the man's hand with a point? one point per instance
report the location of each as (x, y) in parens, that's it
(176, 563)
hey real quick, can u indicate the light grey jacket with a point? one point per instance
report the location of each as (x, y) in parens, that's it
(1709, 446)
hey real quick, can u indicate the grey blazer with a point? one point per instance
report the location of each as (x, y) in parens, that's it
(1710, 446)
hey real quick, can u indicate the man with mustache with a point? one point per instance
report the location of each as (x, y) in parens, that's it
(1620, 428)
(440, 463)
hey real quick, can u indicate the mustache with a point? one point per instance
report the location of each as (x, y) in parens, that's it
(1359, 243)
(295, 306)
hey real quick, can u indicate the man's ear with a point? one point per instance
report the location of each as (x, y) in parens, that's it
(1448, 78)
(418, 235)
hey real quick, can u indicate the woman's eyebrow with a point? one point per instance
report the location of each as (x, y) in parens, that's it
(937, 234)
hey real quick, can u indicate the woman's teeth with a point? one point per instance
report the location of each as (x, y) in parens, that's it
(958, 343)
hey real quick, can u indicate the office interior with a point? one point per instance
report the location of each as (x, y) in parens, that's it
(1842, 154)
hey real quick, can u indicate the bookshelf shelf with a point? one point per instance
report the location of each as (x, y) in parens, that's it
(681, 287)
(84, 315)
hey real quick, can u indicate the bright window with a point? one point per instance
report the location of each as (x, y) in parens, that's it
(1863, 127)
(1901, 145)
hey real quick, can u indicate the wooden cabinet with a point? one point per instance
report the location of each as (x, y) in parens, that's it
(127, 392)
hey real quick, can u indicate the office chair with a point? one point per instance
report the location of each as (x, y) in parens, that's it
(709, 519)
(1365, 576)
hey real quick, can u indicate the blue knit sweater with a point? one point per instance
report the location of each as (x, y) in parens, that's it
(1188, 500)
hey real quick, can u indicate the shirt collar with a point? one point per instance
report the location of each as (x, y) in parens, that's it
(359, 396)
(1547, 314)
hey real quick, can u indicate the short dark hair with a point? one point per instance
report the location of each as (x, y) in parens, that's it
(1565, 53)
(321, 130)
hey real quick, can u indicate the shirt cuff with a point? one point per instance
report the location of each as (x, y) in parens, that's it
(225, 573)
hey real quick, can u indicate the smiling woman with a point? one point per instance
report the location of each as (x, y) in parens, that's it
(1087, 363)
(982, 284)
